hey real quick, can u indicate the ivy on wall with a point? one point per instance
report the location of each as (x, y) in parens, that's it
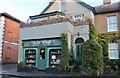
(65, 57)
(104, 39)
(92, 56)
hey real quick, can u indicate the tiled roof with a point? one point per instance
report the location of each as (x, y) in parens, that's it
(80, 2)
(114, 7)
(50, 4)
(10, 17)
(86, 5)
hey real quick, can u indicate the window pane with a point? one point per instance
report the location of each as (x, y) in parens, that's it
(113, 54)
(113, 51)
(112, 23)
(42, 53)
(113, 46)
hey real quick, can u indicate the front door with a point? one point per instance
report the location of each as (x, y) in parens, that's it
(79, 52)
(79, 42)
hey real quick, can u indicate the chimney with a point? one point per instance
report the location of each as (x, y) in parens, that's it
(105, 2)
(52, 0)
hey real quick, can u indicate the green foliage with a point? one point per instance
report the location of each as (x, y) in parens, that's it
(65, 57)
(93, 35)
(115, 64)
(23, 67)
(92, 57)
(104, 39)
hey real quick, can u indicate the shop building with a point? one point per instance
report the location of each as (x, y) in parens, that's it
(9, 38)
(40, 44)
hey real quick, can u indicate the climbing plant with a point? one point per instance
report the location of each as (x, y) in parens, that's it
(92, 56)
(104, 39)
(65, 57)
(93, 35)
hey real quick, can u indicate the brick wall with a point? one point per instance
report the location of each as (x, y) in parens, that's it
(10, 53)
(11, 31)
(11, 36)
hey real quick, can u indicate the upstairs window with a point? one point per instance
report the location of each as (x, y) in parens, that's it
(112, 23)
(78, 17)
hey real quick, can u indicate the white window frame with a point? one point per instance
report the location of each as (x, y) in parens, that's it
(113, 50)
(79, 17)
(112, 23)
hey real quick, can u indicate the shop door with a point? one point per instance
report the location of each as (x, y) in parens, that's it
(42, 59)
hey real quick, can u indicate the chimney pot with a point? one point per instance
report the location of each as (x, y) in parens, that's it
(105, 2)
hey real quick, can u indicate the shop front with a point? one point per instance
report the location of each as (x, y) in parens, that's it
(41, 54)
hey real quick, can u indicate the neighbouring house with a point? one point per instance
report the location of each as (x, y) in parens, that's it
(40, 45)
(107, 20)
(9, 38)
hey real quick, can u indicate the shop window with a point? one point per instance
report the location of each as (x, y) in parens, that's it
(55, 56)
(30, 57)
(112, 23)
(42, 53)
(113, 50)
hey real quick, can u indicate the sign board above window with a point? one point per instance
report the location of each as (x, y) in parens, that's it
(47, 42)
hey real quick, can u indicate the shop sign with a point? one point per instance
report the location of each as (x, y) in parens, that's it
(42, 42)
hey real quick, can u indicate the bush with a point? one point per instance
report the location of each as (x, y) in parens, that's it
(65, 57)
(115, 65)
(92, 57)
(23, 67)
(104, 39)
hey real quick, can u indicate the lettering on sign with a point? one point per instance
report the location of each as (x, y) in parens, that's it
(42, 42)
(48, 42)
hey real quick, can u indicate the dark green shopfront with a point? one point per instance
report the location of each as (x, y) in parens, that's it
(42, 54)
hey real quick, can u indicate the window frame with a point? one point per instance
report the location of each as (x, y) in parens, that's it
(113, 50)
(115, 23)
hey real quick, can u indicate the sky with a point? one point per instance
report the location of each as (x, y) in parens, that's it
(22, 9)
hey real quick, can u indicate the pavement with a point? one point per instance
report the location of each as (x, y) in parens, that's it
(10, 70)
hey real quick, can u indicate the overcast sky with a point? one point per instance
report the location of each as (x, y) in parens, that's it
(22, 9)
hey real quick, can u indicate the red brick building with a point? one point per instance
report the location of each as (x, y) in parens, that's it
(10, 44)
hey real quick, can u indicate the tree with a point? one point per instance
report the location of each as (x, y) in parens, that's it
(65, 57)
(92, 56)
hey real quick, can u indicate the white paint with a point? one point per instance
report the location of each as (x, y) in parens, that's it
(43, 42)
(7, 42)
(2, 22)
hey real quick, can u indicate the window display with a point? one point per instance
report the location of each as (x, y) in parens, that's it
(55, 56)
